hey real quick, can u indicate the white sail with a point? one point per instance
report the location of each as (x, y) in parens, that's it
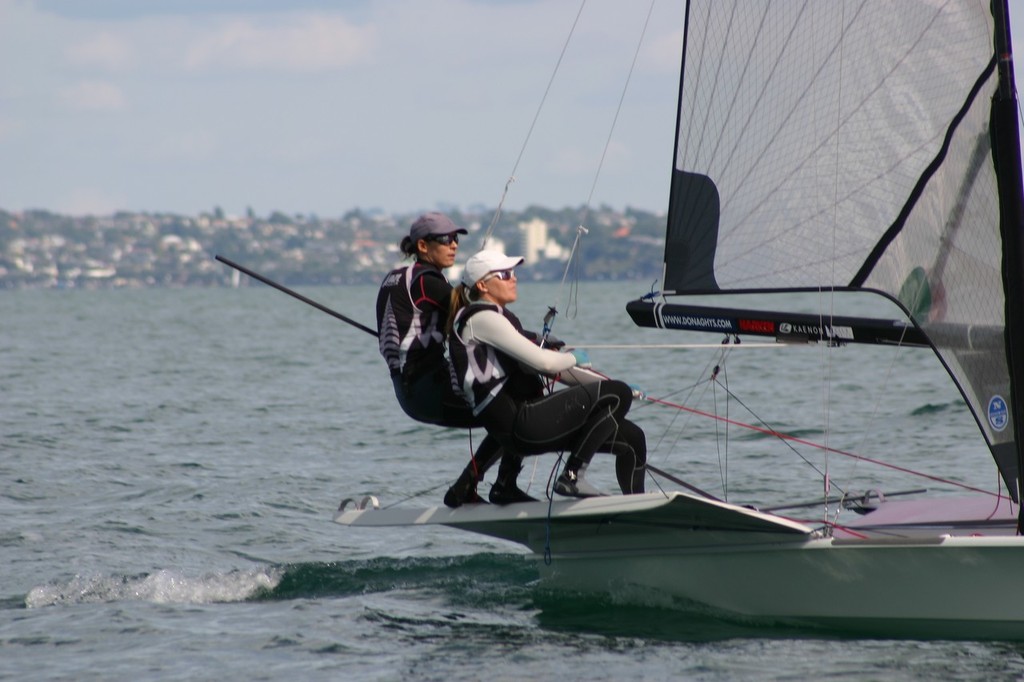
(828, 145)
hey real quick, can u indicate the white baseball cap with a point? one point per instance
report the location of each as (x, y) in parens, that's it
(484, 263)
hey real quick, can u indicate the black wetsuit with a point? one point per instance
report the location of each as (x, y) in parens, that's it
(412, 309)
(498, 376)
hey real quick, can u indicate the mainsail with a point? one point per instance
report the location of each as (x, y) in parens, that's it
(851, 145)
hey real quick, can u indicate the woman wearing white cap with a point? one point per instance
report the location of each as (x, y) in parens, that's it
(498, 369)
(412, 309)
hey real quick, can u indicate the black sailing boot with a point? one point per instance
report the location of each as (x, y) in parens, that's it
(505, 489)
(572, 484)
(600, 427)
(464, 490)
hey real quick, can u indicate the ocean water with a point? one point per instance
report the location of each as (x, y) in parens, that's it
(171, 461)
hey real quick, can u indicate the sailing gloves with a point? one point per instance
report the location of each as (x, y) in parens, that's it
(582, 359)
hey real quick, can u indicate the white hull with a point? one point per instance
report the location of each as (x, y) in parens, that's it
(959, 587)
(754, 565)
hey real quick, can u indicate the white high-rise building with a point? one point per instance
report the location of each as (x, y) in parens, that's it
(535, 239)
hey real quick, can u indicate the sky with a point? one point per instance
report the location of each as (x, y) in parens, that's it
(321, 107)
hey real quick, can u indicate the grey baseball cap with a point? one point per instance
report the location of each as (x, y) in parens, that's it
(433, 223)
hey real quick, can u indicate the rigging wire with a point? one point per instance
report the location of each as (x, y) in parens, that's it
(622, 98)
(874, 410)
(723, 468)
(824, 447)
(533, 124)
(571, 305)
(765, 428)
(574, 261)
(689, 395)
(789, 439)
(828, 271)
(826, 358)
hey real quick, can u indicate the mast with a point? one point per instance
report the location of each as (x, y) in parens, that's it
(1006, 157)
(674, 189)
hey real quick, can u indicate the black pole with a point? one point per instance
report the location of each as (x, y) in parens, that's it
(678, 481)
(302, 298)
(1006, 153)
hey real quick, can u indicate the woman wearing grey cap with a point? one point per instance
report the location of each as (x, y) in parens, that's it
(412, 308)
(498, 371)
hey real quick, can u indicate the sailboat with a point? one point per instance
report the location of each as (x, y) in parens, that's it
(853, 146)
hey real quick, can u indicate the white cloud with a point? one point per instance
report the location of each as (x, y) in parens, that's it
(94, 96)
(325, 109)
(104, 50)
(308, 42)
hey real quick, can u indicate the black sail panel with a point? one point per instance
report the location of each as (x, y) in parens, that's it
(692, 234)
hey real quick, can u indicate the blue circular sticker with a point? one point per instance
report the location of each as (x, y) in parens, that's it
(998, 414)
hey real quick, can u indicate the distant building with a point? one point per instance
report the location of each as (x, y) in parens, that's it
(537, 246)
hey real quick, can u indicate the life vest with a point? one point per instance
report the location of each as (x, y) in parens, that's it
(480, 371)
(411, 338)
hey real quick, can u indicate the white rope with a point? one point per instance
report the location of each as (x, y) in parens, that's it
(581, 229)
(529, 133)
(618, 109)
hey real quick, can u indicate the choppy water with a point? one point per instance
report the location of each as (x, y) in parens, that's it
(171, 460)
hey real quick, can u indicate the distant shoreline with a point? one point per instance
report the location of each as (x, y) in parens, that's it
(40, 249)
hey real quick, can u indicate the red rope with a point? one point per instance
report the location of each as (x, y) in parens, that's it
(819, 446)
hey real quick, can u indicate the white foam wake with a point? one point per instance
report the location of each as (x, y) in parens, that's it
(162, 587)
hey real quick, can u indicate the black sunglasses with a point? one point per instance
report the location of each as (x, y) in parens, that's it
(444, 239)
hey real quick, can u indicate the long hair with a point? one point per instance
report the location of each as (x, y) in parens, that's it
(461, 296)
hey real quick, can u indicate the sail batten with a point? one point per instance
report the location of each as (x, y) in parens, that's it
(852, 145)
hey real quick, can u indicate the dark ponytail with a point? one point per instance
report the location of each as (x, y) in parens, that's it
(408, 247)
